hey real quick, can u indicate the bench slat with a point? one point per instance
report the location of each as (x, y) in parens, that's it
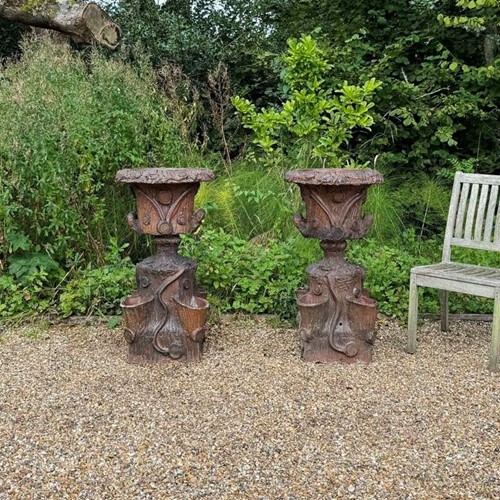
(478, 231)
(459, 224)
(496, 238)
(490, 216)
(462, 273)
(471, 212)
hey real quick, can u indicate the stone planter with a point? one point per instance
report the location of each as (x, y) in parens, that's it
(165, 318)
(337, 315)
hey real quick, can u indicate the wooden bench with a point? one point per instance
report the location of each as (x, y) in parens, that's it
(473, 222)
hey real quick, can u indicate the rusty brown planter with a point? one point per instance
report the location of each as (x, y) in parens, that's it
(337, 315)
(165, 317)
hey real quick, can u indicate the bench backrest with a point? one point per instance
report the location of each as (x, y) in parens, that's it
(474, 218)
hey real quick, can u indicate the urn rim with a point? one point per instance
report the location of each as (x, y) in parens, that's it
(334, 177)
(163, 175)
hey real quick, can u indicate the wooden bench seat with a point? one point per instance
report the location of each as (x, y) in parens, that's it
(455, 277)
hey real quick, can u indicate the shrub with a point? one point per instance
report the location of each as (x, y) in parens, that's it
(29, 283)
(248, 277)
(314, 121)
(99, 290)
(19, 300)
(243, 276)
(67, 124)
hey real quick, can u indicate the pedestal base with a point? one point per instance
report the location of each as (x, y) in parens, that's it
(165, 318)
(320, 351)
(337, 316)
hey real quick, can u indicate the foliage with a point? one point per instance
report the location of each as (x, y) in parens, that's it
(426, 201)
(28, 286)
(18, 300)
(66, 126)
(243, 276)
(99, 289)
(485, 14)
(439, 102)
(387, 209)
(195, 35)
(68, 122)
(252, 202)
(388, 272)
(314, 121)
(167, 32)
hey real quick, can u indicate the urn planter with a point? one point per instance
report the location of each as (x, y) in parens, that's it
(337, 317)
(165, 317)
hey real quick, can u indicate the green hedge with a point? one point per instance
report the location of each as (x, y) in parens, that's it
(242, 276)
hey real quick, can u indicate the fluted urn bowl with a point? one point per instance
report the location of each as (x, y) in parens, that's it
(334, 201)
(165, 199)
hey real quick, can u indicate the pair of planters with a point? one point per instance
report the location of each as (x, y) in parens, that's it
(166, 316)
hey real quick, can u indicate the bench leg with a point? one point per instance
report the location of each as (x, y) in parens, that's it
(444, 310)
(495, 336)
(412, 317)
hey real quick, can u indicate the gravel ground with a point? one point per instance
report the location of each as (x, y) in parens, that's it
(251, 420)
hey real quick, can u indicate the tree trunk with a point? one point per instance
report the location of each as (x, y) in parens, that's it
(490, 45)
(84, 23)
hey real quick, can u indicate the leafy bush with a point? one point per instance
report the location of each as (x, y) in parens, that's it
(313, 122)
(29, 284)
(243, 276)
(18, 300)
(197, 35)
(388, 273)
(99, 290)
(67, 124)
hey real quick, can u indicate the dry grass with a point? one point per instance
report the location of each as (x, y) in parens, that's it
(250, 421)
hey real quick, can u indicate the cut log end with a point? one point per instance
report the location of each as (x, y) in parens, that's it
(110, 36)
(84, 23)
(101, 27)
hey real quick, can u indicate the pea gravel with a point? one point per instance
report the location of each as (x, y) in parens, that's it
(251, 420)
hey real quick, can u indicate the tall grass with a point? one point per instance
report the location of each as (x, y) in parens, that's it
(251, 202)
(256, 202)
(387, 209)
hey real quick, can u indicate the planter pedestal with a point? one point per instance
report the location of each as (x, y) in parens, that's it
(165, 317)
(337, 315)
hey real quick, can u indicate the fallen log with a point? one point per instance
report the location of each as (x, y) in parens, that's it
(84, 23)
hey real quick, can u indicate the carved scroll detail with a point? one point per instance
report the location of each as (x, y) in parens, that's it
(159, 295)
